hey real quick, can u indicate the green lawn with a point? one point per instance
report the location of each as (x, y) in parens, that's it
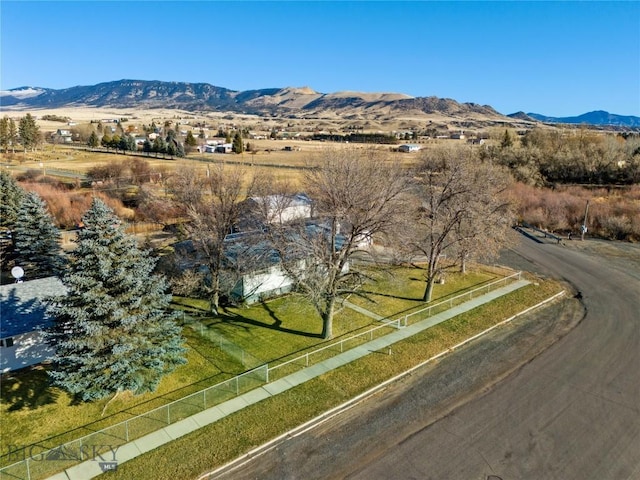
(34, 411)
(399, 290)
(219, 443)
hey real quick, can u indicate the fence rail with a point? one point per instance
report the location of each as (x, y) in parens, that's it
(40, 461)
(462, 297)
(305, 359)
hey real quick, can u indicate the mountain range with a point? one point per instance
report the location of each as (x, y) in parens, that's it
(285, 102)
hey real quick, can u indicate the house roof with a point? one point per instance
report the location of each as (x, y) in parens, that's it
(22, 308)
(274, 201)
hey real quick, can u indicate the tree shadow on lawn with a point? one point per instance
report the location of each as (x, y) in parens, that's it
(29, 388)
(368, 294)
(237, 320)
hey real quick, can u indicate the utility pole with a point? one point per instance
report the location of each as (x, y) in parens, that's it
(583, 229)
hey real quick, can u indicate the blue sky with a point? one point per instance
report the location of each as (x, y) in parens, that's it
(555, 58)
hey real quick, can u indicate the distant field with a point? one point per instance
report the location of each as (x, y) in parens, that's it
(270, 157)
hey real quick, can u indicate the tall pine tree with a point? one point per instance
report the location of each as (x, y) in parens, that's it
(10, 199)
(37, 239)
(112, 329)
(238, 147)
(29, 132)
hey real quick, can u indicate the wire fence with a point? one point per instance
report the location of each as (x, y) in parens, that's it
(234, 351)
(39, 461)
(458, 299)
(320, 354)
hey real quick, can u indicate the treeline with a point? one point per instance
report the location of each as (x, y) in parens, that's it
(380, 138)
(548, 157)
(613, 213)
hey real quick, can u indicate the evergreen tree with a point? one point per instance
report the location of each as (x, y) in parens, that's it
(11, 196)
(123, 144)
(190, 140)
(506, 141)
(132, 146)
(159, 146)
(4, 133)
(171, 148)
(37, 239)
(112, 332)
(29, 132)
(12, 134)
(180, 150)
(93, 141)
(146, 146)
(237, 143)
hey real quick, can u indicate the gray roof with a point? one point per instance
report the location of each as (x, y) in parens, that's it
(21, 307)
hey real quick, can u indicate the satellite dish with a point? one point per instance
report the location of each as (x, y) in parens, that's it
(17, 273)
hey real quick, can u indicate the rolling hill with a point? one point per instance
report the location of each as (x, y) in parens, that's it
(292, 102)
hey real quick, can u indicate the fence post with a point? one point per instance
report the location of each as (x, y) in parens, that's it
(204, 399)
(267, 373)
(169, 414)
(28, 469)
(237, 386)
(341, 346)
(126, 430)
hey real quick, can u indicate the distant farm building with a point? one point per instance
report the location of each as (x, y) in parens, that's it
(224, 148)
(409, 147)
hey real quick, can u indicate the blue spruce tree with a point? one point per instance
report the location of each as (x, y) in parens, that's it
(11, 196)
(37, 239)
(112, 330)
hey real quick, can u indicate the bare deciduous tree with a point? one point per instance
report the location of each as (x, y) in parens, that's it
(458, 211)
(212, 202)
(357, 196)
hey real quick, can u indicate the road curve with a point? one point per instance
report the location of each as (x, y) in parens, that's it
(573, 412)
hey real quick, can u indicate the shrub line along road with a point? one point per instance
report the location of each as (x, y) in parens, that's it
(90, 469)
(548, 398)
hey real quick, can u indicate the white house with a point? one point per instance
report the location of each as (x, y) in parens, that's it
(263, 276)
(285, 208)
(224, 148)
(24, 318)
(207, 148)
